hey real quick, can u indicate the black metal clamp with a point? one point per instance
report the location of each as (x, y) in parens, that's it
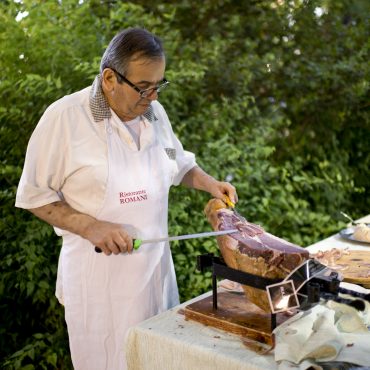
(220, 269)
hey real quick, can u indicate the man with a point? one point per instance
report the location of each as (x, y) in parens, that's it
(98, 168)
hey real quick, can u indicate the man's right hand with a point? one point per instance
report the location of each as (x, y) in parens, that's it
(109, 237)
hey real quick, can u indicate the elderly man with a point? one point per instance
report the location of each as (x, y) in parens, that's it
(98, 168)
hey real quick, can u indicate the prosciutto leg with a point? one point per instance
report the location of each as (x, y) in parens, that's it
(253, 250)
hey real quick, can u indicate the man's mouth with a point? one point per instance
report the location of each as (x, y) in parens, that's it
(144, 102)
(144, 105)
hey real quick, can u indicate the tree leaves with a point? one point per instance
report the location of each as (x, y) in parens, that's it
(272, 96)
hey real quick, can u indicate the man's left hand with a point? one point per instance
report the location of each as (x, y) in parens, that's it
(221, 189)
(198, 179)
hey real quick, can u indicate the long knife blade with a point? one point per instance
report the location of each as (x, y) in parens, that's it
(138, 242)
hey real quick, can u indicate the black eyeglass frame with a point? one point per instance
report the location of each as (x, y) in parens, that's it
(146, 92)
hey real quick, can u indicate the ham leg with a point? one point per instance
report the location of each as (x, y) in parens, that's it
(253, 250)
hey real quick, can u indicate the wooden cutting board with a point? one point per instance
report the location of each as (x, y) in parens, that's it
(234, 314)
(356, 267)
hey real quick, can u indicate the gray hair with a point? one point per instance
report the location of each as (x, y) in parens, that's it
(131, 44)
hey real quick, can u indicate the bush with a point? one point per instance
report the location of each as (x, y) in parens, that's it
(272, 96)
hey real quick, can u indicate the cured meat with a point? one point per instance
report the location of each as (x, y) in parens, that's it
(330, 257)
(253, 250)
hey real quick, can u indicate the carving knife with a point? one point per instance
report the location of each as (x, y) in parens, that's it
(138, 242)
(231, 205)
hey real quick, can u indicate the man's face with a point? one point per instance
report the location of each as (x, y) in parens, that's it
(123, 98)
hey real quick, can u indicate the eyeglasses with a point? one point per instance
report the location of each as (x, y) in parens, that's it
(146, 92)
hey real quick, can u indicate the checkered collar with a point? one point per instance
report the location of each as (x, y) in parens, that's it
(100, 108)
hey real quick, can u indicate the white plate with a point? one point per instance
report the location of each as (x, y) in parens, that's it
(348, 234)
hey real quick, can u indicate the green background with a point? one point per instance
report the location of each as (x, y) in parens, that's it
(270, 95)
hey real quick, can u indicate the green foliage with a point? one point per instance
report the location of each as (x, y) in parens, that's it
(271, 95)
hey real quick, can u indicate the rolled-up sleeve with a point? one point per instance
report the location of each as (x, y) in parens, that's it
(185, 162)
(43, 171)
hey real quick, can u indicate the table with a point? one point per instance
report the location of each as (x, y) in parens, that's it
(187, 345)
(167, 341)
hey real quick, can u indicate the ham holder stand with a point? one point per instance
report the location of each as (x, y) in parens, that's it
(231, 311)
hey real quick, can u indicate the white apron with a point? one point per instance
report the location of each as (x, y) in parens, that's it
(105, 295)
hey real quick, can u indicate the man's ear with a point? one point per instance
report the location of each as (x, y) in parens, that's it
(109, 80)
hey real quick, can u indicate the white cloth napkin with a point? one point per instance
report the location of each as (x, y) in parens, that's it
(327, 332)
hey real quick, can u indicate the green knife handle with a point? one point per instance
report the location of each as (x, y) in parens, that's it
(135, 243)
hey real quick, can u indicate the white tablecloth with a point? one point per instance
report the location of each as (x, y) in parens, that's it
(167, 341)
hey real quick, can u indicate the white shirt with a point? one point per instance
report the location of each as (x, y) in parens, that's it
(68, 149)
(133, 127)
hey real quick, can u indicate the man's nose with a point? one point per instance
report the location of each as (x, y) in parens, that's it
(153, 95)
